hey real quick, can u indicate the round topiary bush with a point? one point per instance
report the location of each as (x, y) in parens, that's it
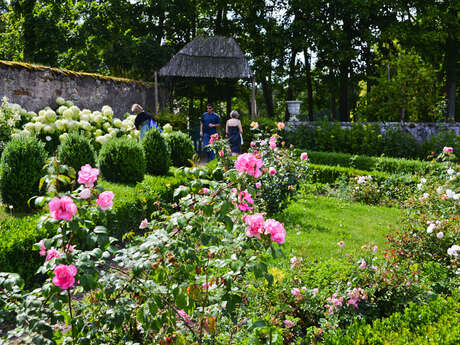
(122, 160)
(21, 168)
(76, 150)
(157, 153)
(181, 147)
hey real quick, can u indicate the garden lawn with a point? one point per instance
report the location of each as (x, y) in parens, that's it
(315, 225)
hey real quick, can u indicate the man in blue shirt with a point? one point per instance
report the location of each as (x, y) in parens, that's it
(210, 121)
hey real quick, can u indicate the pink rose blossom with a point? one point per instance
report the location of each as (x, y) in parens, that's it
(315, 290)
(341, 244)
(245, 199)
(42, 248)
(248, 163)
(69, 247)
(280, 125)
(375, 248)
(294, 261)
(52, 253)
(288, 323)
(272, 171)
(221, 153)
(295, 291)
(64, 276)
(85, 193)
(88, 175)
(213, 137)
(144, 224)
(272, 142)
(304, 156)
(205, 190)
(63, 208)
(276, 230)
(253, 144)
(258, 185)
(105, 200)
(255, 224)
(184, 315)
(447, 150)
(363, 264)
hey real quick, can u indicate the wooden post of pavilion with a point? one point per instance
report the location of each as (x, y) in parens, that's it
(156, 94)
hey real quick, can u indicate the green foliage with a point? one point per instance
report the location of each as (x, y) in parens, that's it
(20, 171)
(177, 121)
(432, 323)
(329, 174)
(76, 150)
(122, 160)
(17, 236)
(399, 143)
(181, 147)
(157, 154)
(362, 162)
(434, 145)
(406, 90)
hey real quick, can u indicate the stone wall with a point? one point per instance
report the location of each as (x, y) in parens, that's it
(420, 130)
(35, 87)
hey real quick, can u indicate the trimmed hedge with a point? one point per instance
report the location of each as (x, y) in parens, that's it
(430, 324)
(362, 162)
(76, 150)
(329, 174)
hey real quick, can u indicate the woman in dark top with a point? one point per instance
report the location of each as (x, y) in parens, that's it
(143, 118)
(233, 131)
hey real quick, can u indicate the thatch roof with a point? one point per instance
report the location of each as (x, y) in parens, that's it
(209, 57)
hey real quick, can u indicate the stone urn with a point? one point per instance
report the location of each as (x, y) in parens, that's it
(293, 109)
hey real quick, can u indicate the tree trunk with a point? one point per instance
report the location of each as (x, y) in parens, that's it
(343, 100)
(268, 97)
(333, 108)
(290, 91)
(309, 85)
(451, 75)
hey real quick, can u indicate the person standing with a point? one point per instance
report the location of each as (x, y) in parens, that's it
(144, 120)
(233, 130)
(210, 121)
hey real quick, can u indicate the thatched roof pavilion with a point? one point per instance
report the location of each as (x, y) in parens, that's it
(211, 57)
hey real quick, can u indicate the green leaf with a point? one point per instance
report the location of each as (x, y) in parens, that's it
(258, 324)
(100, 229)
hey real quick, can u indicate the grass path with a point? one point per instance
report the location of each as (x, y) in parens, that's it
(316, 224)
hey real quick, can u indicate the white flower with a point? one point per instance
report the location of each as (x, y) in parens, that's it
(451, 171)
(439, 190)
(85, 193)
(424, 196)
(456, 196)
(423, 180)
(48, 138)
(449, 193)
(419, 186)
(454, 250)
(440, 235)
(144, 224)
(430, 228)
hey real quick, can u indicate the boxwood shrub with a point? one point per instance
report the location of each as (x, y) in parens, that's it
(122, 160)
(76, 150)
(157, 153)
(21, 167)
(181, 147)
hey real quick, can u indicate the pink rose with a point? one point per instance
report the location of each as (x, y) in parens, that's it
(363, 264)
(105, 200)
(248, 163)
(69, 247)
(304, 156)
(273, 142)
(205, 190)
(144, 224)
(42, 248)
(295, 291)
(184, 315)
(52, 253)
(221, 153)
(280, 125)
(85, 193)
(447, 150)
(315, 290)
(245, 199)
(213, 137)
(272, 171)
(375, 248)
(64, 276)
(288, 323)
(263, 142)
(253, 144)
(88, 175)
(63, 208)
(255, 224)
(276, 230)
(258, 185)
